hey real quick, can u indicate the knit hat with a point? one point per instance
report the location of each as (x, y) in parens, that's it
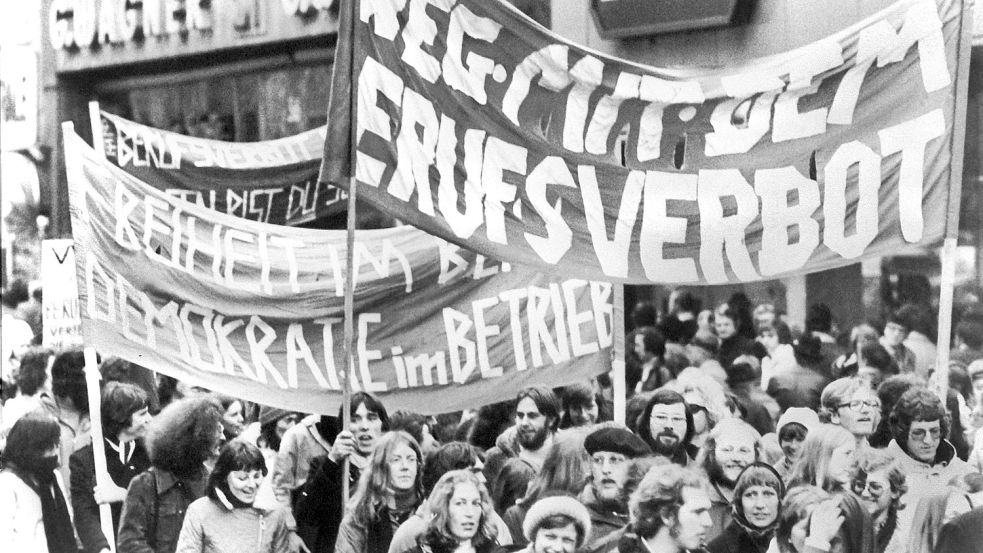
(616, 440)
(270, 414)
(557, 505)
(801, 415)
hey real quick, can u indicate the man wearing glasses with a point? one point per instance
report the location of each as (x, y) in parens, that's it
(920, 426)
(666, 425)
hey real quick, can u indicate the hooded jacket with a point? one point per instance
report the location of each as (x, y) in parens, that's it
(211, 527)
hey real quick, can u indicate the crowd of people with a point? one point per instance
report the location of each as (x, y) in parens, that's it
(742, 434)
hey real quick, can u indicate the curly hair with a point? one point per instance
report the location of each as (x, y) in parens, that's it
(31, 436)
(448, 457)
(707, 457)
(659, 496)
(917, 405)
(374, 487)
(813, 463)
(235, 455)
(838, 392)
(33, 370)
(119, 401)
(871, 460)
(797, 505)
(438, 533)
(68, 378)
(663, 396)
(183, 435)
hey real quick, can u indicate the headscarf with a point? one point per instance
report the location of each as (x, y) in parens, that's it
(757, 474)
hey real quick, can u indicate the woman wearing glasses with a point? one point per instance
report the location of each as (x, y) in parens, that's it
(879, 483)
(852, 404)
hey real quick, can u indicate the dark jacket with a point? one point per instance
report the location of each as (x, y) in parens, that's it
(963, 534)
(735, 539)
(631, 543)
(319, 506)
(154, 510)
(373, 538)
(732, 348)
(797, 387)
(83, 470)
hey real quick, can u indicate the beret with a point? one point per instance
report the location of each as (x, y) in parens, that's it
(616, 440)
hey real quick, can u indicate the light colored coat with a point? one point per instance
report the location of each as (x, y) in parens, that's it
(924, 479)
(21, 521)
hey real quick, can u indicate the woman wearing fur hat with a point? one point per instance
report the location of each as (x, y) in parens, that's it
(556, 524)
(757, 500)
(226, 520)
(179, 440)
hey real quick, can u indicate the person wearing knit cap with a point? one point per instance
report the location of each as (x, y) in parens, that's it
(611, 451)
(793, 427)
(556, 524)
(757, 501)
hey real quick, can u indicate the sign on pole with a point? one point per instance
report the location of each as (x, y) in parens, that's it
(60, 317)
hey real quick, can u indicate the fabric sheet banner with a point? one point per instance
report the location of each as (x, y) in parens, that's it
(256, 310)
(272, 182)
(476, 124)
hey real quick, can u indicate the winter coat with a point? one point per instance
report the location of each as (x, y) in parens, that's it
(21, 520)
(320, 504)
(300, 446)
(211, 527)
(797, 387)
(83, 470)
(963, 534)
(404, 539)
(720, 512)
(154, 509)
(372, 538)
(735, 539)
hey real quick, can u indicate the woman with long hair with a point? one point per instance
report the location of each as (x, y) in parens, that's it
(813, 521)
(389, 491)
(565, 470)
(880, 483)
(757, 501)
(185, 434)
(460, 512)
(226, 519)
(35, 515)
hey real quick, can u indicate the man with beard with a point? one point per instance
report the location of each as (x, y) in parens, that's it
(731, 446)
(611, 451)
(670, 513)
(537, 416)
(666, 425)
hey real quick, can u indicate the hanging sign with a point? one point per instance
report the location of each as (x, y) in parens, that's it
(256, 310)
(60, 316)
(467, 120)
(273, 181)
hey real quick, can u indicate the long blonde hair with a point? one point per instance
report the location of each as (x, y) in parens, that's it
(813, 463)
(374, 487)
(437, 534)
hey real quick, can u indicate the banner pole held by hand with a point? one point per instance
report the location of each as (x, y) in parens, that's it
(92, 377)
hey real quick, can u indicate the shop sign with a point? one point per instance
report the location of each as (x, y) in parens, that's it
(83, 23)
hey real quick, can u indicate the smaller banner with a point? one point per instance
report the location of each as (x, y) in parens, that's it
(273, 182)
(61, 320)
(257, 310)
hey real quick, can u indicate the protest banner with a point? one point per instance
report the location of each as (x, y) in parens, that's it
(466, 119)
(60, 318)
(255, 310)
(274, 181)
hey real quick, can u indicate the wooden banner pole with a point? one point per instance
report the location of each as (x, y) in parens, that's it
(92, 377)
(940, 379)
(618, 386)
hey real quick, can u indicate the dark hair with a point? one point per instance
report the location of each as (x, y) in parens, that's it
(448, 457)
(659, 496)
(31, 436)
(663, 396)
(970, 332)
(819, 318)
(917, 404)
(577, 395)
(792, 431)
(68, 378)
(889, 392)
(643, 314)
(372, 404)
(687, 302)
(874, 355)
(183, 434)
(653, 340)
(916, 317)
(491, 421)
(235, 455)
(780, 329)
(559, 520)
(546, 402)
(33, 370)
(119, 401)
(409, 422)
(15, 294)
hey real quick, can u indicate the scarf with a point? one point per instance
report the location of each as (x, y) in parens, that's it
(58, 530)
(886, 532)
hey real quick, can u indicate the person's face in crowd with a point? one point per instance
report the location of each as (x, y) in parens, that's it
(923, 440)
(233, 419)
(244, 484)
(555, 540)
(533, 426)
(583, 415)
(724, 326)
(609, 470)
(643, 354)
(871, 374)
(769, 339)
(464, 508)
(859, 413)
(764, 318)
(701, 419)
(693, 519)
(667, 424)
(285, 423)
(703, 321)
(366, 427)
(760, 505)
(841, 464)
(52, 456)
(791, 448)
(138, 424)
(403, 465)
(875, 492)
(978, 387)
(894, 334)
(733, 454)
